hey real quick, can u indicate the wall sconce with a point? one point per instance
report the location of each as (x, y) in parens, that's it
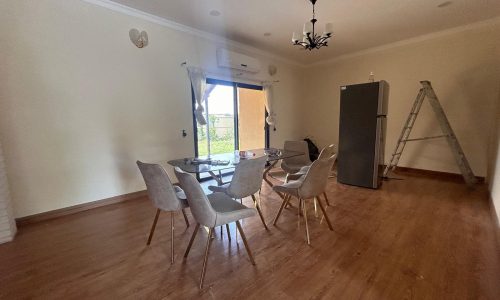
(140, 39)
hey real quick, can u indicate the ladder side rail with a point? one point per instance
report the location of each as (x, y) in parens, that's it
(413, 117)
(405, 132)
(445, 125)
(410, 121)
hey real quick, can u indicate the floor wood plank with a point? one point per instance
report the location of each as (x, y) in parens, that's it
(417, 238)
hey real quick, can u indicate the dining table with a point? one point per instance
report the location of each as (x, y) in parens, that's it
(216, 163)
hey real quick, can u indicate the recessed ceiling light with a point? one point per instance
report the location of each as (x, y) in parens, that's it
(444, 4)
(267, 34)
(214, 13)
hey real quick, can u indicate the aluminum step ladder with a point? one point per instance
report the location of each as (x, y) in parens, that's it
(427, 91)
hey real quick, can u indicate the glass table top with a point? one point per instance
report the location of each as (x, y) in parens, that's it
(218, 162)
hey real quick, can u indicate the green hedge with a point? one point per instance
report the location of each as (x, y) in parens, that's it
(217, 147)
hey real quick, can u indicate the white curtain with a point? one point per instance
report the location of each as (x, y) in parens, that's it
(8, 224)
(268, 92)
(198, 82)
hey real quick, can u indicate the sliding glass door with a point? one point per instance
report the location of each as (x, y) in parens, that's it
(235, 115)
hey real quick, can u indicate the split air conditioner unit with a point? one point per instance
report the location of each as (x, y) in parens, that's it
(237, 61)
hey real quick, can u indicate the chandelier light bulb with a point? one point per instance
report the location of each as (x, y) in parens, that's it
(328, 28)
(308, 28)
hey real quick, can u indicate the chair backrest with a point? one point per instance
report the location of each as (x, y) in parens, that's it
(160, 188)
(327, 152)
(316, 178)
(298, 146)
(202, 210)
(247, 178)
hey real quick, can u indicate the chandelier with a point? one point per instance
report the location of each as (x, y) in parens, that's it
(310, 39)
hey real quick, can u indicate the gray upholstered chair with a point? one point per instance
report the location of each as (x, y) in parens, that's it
(214, 210)
(309, 186)
(247, 181)
(164, 195)
(293, 164)
(325, 153)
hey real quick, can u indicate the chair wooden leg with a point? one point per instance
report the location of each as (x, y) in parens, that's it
(315, 208)
(283, 204)
(299, 211)
(154, 226)
(205, 259)
(326, 199)
(196, 228)
(236, 232)
(185, 218)
(172, 235)
(228, 233)
(305, 219)
(245, 242)
(286, 181)
(324, 214)
(257, 206)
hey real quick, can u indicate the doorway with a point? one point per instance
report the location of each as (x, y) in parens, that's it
(235, 114)
(252, 129)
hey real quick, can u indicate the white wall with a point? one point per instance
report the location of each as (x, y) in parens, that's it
(80, 104)
(464, 68)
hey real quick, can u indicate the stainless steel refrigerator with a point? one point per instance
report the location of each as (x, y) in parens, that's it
(363, 111)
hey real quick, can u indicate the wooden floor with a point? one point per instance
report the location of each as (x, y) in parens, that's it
(417, 238)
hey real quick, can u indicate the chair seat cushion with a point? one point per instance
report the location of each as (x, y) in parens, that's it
(291, 188)
(299, 174)
(295, 176)
(180, 192)
(228, 210)
(220, 189)
(303, 170)
(182, 196)
(292, 168)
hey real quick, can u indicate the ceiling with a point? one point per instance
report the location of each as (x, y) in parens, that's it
(358, 24)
